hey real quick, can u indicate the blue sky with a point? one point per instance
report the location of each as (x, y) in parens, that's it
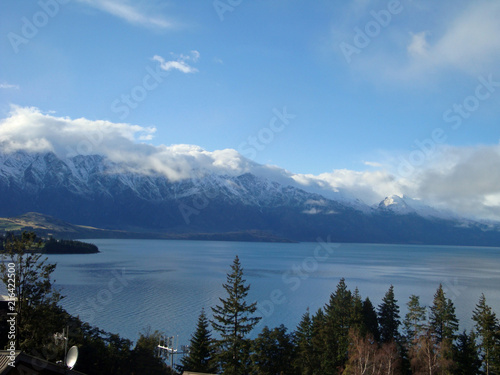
(398, 96)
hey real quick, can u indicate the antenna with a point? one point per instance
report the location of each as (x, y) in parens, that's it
(62, 336)
(71, 357)
(169, 346)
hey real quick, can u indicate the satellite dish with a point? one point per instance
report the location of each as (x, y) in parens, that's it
(71, 357)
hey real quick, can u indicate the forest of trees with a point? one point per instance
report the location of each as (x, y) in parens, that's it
(348, 336)
(52, 246)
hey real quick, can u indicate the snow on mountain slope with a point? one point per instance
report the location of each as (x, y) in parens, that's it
(92, 190)
(406, 205)
(95, 175)
(86, 175)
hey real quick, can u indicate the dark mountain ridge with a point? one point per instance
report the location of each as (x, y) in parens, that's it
(92, 191)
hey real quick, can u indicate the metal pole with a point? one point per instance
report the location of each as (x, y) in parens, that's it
(65, 337)
(172, 354)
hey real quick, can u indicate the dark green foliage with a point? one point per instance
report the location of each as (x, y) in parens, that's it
(233, 320)
(273, 352)
(37, 299)
(102, 353)
(39, 317)
(201, 349)
(443, 321)
(53, 246)
(303, 362)
(388, 317)
(466, 355)
(487, 328)
(145, 358)
(318, 341)
(357, 319)
(414, 322)
(338, 321)
(370, 320)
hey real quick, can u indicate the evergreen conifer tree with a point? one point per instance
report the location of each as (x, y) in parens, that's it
(201, 351)
(414, 322)
(388, 317)
(443, 321)
(304, 362)
(357, 321)
(318, 340)
(487, 328)
(467, 355)
(233, 320)
(338, 320)
(370, 319)
(273, 352)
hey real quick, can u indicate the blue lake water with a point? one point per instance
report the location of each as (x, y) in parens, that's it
(164, 284)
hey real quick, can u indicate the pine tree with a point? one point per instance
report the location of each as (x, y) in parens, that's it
(272, 352)
(370, 320)
(201, 351)
(338, 320)
(304, 357)
(467, 355)
(388, 317)
(443, 321)
(233, 320)
(414, 322)
(318, 340)
(487, 328)
(357, 321)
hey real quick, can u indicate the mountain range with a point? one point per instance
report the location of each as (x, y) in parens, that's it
(91, 190)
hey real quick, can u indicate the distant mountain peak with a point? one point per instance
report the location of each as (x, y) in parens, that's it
(94, 191)
(396, 204)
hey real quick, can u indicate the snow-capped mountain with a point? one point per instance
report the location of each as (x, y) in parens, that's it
(409, 206)
(91, 190)
(86, 176)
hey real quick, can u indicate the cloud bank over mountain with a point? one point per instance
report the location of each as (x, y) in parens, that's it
(461, 179)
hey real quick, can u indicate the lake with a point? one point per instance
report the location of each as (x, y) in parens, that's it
(164, 284)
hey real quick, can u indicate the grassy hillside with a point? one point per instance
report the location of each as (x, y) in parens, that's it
(44, 226)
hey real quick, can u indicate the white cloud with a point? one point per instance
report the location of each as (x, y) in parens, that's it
(470, 42)
(195, 55)
(373, 164)
(5, 85)
(418, 46)
(368, 186)
(27, 128)
(311, 211)
(465, 180)
(130, 12)
(466, 40)
(180, 63)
